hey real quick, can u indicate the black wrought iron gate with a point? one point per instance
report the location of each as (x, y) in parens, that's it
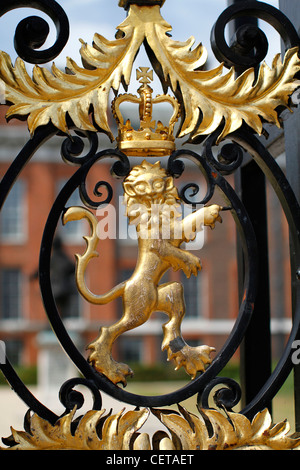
(254, 103)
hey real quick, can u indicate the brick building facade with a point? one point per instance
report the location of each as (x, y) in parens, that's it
(211, 298)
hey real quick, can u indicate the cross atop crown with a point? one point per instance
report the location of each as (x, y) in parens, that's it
(152, 138)
(144, 75)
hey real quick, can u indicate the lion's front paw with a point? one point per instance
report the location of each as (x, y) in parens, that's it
(212, 215)
(193, 359)
(115, 371)
(190, 264)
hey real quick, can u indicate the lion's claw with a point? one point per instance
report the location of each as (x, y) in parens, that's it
(115, 371)
(192, 359)
(191, 265)
(212, 215)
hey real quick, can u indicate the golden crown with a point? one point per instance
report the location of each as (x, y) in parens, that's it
(151, 139)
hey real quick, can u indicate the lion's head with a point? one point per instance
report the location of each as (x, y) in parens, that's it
(148, 185)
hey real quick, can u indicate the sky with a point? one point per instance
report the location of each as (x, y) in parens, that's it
(87, 17)
(187, 17)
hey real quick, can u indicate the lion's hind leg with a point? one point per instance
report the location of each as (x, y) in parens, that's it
(101, 358)
(135, 314)
(193, 359)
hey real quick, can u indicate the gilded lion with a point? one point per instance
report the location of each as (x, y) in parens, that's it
(147, 186)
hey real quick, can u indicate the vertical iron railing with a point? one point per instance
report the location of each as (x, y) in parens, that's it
(251, 187)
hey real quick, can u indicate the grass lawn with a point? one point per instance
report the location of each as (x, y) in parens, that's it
(160, 380)
(283, 403)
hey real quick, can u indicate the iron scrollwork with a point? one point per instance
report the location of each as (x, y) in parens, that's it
(249, 47)
(32, 32)
(59, 103)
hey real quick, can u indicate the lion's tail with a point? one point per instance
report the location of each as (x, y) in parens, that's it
(78, 213)
(115, 292)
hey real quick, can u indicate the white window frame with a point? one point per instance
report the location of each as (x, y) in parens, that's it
(199, 300)
(15, 206)
(19, 312)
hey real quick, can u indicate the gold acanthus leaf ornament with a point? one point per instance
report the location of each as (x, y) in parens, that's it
(98, 430)
(52, 95)
(82, 93)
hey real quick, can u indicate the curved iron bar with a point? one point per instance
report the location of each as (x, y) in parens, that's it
(291, 209)
(250, 37)
(229, 158)
(25, 394)
(7, 182)
(174, 164)
(248, 241)
(245, 311)
(72, 147)
(95, 204)
(71, 398)
(225, 398)
(44, 266)
(25, 155)
(31, 33)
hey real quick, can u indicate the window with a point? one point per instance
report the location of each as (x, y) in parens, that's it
(131, 349)
(192, 295)
(11, 287)
(13, 215)
(14, 348)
